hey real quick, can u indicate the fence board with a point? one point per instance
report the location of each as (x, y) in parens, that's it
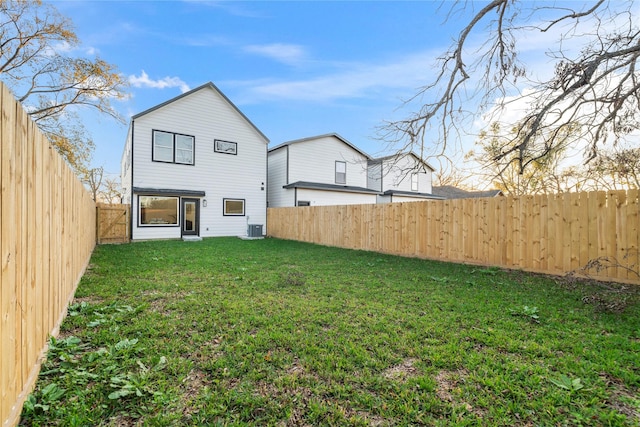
(8, 279)
(633, 235)
(555, 234)
(47, 221)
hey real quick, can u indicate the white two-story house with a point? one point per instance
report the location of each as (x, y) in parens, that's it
(195, 166)
(329, 170)
(320, 170)
(401, 177)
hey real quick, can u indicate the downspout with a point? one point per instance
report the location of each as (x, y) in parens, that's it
(131, 209)
(287, 177)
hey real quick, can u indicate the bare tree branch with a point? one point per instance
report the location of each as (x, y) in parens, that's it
(596, 90)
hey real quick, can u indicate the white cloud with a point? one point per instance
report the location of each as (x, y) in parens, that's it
(355, 80)
(166, 82)
(282, 52)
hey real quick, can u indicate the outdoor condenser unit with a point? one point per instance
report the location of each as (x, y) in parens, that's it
(254, 230)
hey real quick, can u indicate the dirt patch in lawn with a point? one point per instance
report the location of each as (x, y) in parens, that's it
(301, 397)
(124, 421)
(191, 387)
(622, 398)
(88, 300)
(447, 382)
(403, 371)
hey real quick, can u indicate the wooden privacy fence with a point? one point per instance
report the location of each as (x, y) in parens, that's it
(595, 233)
(47, 221)
(112, 223)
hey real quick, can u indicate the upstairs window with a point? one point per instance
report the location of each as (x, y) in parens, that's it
(171, 147)
(341, 172)
(414, 182)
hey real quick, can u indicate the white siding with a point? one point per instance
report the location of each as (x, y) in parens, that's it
(323, 198)
(277, 177)
(207, 116)
(397, 175)
(125, 170)
(314, 161)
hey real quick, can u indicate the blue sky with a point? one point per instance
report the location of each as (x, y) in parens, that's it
(296, 69)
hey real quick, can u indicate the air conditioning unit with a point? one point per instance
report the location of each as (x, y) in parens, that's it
(254, 230)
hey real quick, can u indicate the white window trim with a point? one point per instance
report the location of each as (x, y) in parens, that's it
(224, 207)
(414, 181)
(343, 173)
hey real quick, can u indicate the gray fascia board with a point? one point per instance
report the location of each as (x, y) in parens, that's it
(310, 138)
(330, 187)
(166, 192)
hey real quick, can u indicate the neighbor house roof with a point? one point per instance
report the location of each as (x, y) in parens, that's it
(330, 187)
(210, 86)
(326, 135)
(412, 194)
(451, 192)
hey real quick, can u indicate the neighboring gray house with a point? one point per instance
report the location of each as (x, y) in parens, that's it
(194, 166)
(451, 192)
(329, 170)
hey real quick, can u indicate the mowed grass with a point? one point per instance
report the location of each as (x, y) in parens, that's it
(272, 332)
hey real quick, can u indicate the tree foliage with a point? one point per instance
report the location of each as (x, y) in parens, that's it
(615, 169)
(595, 83)
(36, 64)
(544, 174)
(612, 169)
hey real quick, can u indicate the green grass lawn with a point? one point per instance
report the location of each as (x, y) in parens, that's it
(272, 332)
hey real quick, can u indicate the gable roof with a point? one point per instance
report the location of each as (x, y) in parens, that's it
(326, 135)
(398, 155)
(451, 192)
(210, 86)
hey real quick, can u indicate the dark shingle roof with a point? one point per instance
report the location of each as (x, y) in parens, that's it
(412, 194)
(451, 192)
(330, 187)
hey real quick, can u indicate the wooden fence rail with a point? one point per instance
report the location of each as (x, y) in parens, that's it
(594, 233)
(47, 221)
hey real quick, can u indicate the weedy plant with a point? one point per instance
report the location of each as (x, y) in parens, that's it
(530, 313)
(566, 383)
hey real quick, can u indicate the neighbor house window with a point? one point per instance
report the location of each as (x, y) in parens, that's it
(233, 207)
(414, 182)
(304, 203)
(341, 172)
(173, 147)
(158, 210)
